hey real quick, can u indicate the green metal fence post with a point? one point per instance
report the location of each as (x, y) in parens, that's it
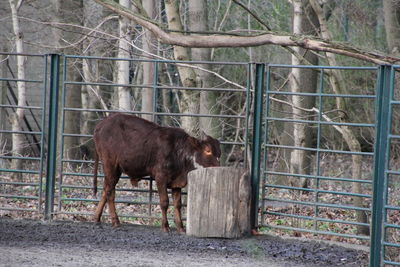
(52, 135)
(381, 143)
(256, 149)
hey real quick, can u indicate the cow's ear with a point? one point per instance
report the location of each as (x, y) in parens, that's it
(202, 135)
(195, 142)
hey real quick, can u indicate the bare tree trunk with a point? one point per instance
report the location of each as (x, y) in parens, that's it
(391, 9)
(302, 80)
(339, 87)
(198, 21)
(18, 116)
(89, 101)
(3, 99)
(190, 99)
(148, 67)
(124, 94)
(70, 11)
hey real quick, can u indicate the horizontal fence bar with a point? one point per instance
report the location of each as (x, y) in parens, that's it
(162, 87)
(135, 190)
(318, 204)
(21, 132)
(78, 135)
(316, 190)
(20, 183)
(391, 263)
(309, 176)
(391, 244)
(77, 161)
(392, 136)
(320, 150)
(162, 113)
(21, 107)
(18, 209)
(160, 60)
(321, 67)
(318, 232)
(321, 122)
(99, 175)
(20, 157)
(20, 80)
(391, 226)
(318, 219)
(319, 94)
(19, 196)
(392, 207)
(22, 54)
(116, 201)
(150, 217)
(20, 171)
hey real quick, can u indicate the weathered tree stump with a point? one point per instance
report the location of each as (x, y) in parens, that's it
(218, 202)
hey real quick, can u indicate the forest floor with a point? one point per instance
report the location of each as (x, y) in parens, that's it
(26, 242)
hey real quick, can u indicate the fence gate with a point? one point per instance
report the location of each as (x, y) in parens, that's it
(385, 238)
(74, 187)
(21, 167)
(328, 184)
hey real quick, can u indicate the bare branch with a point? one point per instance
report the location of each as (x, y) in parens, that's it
(268, 38)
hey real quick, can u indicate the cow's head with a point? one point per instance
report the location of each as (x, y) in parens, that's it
(207, 153)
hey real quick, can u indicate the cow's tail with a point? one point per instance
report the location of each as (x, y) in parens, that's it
(96, 165)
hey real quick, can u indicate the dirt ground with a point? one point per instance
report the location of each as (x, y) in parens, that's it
(62, 243)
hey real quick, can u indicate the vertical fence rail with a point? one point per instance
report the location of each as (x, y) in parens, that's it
(257, 133)
(21, 185)
(52, 135)
(388, 227)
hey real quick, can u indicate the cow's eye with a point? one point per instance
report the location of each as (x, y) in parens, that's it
(207, 152)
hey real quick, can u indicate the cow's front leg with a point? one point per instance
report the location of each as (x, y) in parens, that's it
(177, 197)
(162, 191)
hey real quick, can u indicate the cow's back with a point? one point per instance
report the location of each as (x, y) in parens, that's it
(132, 143)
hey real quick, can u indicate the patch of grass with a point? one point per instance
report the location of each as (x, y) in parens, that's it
(252, 248)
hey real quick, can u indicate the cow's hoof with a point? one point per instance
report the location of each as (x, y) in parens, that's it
(165, 230)
(181, 231)
(116, 225)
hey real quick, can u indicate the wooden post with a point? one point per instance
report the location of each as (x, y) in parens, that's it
(218, 202)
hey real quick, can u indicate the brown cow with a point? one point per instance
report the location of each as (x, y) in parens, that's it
(137, 147)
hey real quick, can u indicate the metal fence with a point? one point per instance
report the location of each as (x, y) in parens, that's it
(74, 187)
(342, 189)
(330, 195)
(21, 174)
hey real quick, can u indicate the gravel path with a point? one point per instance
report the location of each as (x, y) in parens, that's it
(62, 243)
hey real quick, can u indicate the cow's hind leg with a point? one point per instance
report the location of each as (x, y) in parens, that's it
(162, 191)
(100, 207)
(111, 178)
(177, 197)
(111, 207)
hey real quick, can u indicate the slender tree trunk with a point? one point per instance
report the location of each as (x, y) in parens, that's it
(190, 99)
(18, 116)
(89, 101)
(339, 87)
(302, 80)
(3, 99)
(391, 9)
(70, 11)
(198, 21)
(124, 92)
(148, 67)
